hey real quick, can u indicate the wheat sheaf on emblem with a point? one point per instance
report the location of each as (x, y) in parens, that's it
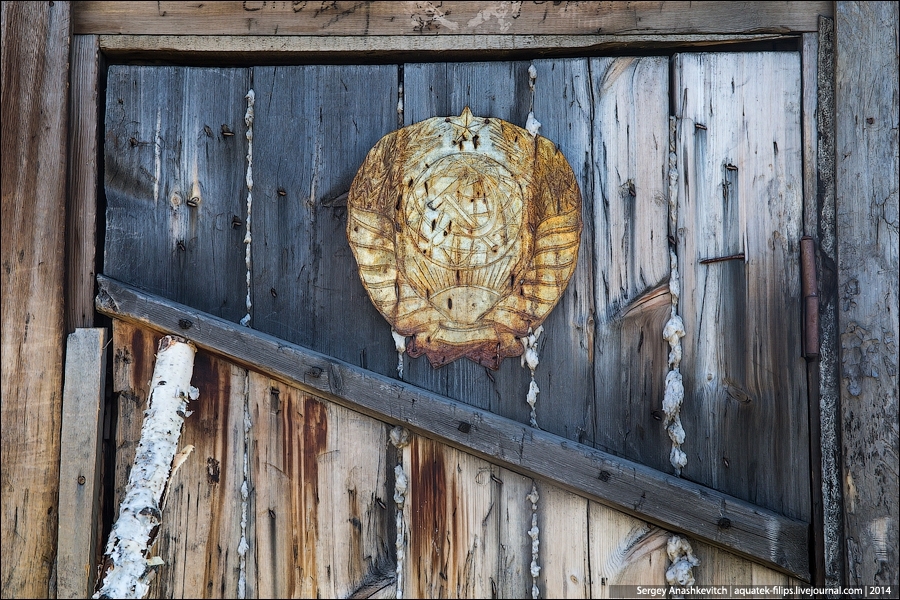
(465, 230)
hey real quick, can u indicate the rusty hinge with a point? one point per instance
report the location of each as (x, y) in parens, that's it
(810, 291)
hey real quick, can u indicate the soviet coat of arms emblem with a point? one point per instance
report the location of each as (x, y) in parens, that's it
(466, 232)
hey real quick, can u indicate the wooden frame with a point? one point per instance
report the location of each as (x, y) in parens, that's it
(154, 35)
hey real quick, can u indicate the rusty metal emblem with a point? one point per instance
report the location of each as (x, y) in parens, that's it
(466, 231)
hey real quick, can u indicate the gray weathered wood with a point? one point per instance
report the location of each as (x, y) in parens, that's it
(285, 49)
(81, 210)
(740, 191)
(458, 19)
(165, 145)
(631, 255)
(829, 358)
(35, 71)
(676, 504)
(79, 468)
(866, 144)
(313, 127)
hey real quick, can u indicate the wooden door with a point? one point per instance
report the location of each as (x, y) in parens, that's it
(184, 222)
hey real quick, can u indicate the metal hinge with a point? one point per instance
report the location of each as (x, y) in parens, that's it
(810, 291)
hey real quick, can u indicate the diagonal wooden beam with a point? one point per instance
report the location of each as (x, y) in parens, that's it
(670, 502)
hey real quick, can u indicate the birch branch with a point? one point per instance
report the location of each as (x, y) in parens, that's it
(127, 568)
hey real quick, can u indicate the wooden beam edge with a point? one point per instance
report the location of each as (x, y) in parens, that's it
(675, 504)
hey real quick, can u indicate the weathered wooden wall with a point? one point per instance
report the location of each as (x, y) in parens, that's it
(866, 145)
(176, 226)
(320, 511)
(35, 66)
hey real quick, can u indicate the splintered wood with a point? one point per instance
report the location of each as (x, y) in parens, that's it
(466, 232)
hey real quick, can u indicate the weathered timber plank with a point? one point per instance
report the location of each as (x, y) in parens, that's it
(452, 510)
(79, 482)
(201, 528)
(313, 127)
(631, 258)
(624, 551)
(868, 254)
(564, 549)
(35, 71)
(459, 18)
(674, 503)
(739, 151)
(829, 408)
(284, 49)
(318, 475)
(81, 209)
(562, 104)
(498, 90)
(174, 172)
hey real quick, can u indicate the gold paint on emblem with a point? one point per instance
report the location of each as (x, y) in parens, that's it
(466, 232)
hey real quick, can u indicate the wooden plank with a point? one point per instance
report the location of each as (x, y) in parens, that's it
(740, 193)
(631, 254)
(460, 18)
(624, 551)
(175, 183)
(866, 142)
(81, 210)
(562, 104)
(284, 49)
(319, 476)
(564, 549)
(313, 126)
(453, 510)
(677, 504)
(829, 354)
(35, 71)
(79, 484)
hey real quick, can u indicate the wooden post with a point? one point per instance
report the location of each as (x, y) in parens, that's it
(127, 568)
(35, 69)
(79, 481)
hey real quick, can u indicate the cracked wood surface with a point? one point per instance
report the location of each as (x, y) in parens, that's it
(673, 503)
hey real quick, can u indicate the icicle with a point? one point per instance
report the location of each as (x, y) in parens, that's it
(535, 542)
(682, 560)
(248, 120)
(400, 343)
(244, 546)
(400, 439)
(530, 358)
(674, 328)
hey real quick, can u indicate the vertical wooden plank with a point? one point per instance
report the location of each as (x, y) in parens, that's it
(81, 210)
(740, 194)
(79, 482)
(563, 103)
(623, 551)
(35, 64)
(498, 90)
(868, 249)
(564, 550)
(200, 531)
(631, 260)
(453, 512)
(319, 477)
(514, 512)
(313, 127)
(174, 176)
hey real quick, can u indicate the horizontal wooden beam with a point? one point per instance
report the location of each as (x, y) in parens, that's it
(670, 502)
(274, 49)
(441, 19)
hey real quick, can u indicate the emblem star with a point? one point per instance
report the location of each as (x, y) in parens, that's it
(465, 128)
